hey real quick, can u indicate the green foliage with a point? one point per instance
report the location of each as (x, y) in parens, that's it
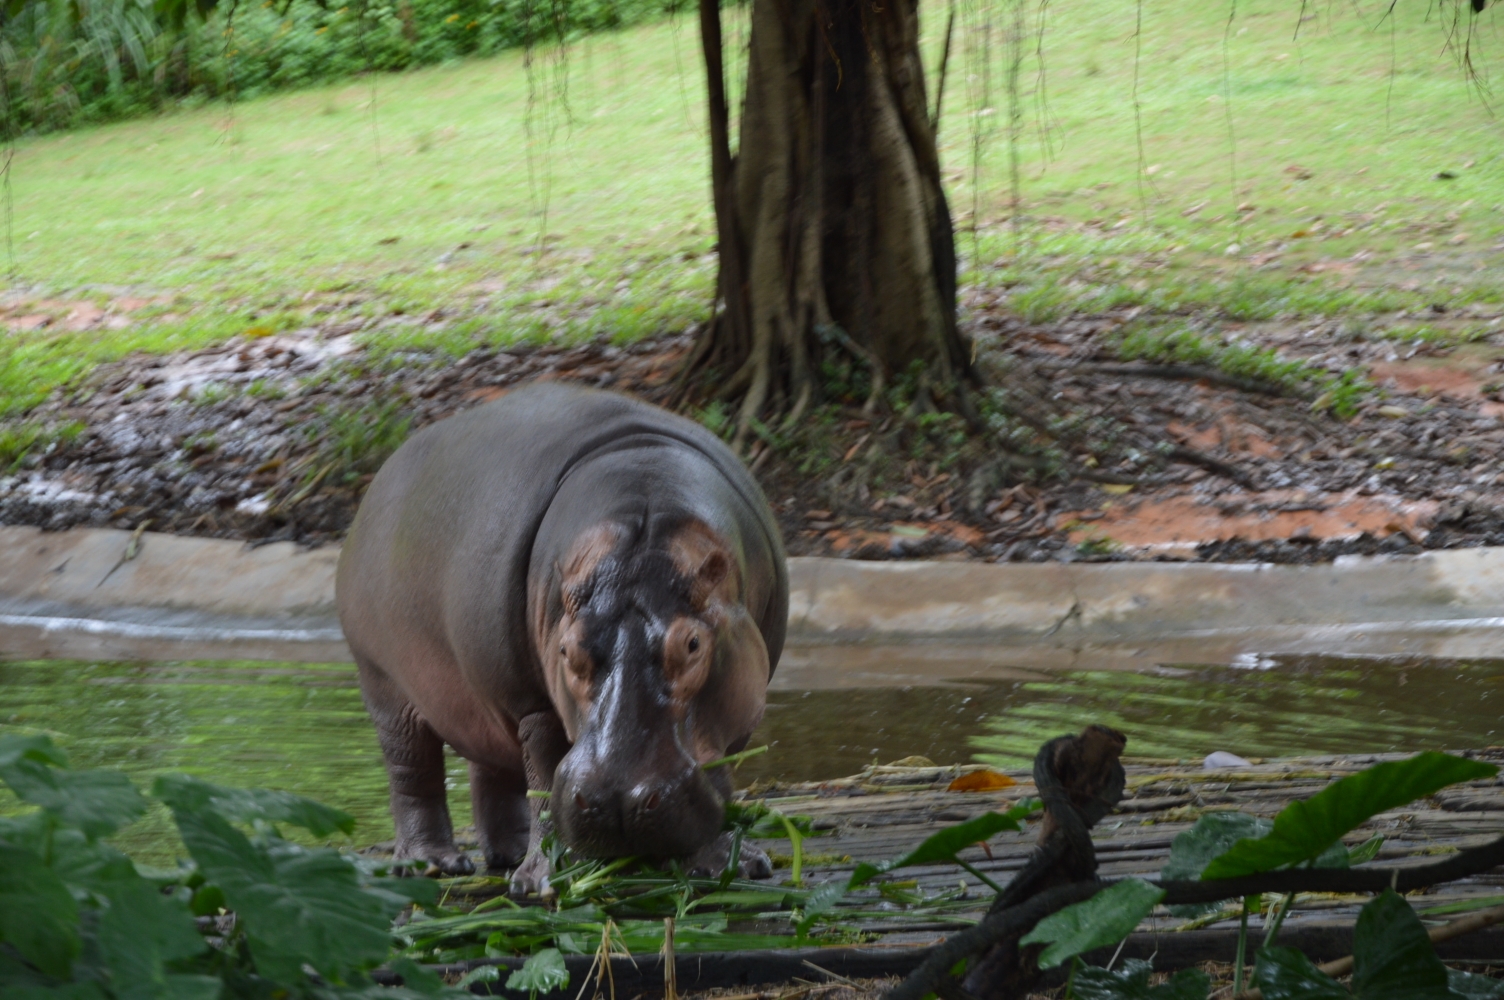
(84, 922)
(1104, 919)
(355, 442)
(19, 441)
(1216, 833)
(1182, 345)
(1474, 986)
(947, 843)
(1392, 960)
(543, 972)
(1304, 830)
(1092, 983)
(69, 65)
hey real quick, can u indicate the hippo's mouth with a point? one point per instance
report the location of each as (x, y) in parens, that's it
(603, 811)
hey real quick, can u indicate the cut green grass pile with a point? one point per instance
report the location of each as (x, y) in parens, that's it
(476, 204)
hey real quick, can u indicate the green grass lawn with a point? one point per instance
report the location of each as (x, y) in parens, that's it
(422, 197)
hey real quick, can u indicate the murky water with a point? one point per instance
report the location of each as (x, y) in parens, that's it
(303, 728)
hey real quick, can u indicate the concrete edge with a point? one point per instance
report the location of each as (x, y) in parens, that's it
(110, 594)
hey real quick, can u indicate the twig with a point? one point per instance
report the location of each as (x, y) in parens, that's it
(1192, 373)
(1189, 456)
(1447, 931)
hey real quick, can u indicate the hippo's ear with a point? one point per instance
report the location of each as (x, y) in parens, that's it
(712, 571)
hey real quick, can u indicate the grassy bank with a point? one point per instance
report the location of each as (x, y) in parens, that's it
(481, 202)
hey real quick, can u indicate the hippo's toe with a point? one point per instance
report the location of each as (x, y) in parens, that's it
(532, 876)
(435, 863)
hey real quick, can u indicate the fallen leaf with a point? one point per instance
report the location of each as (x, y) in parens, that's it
(981, 781)
(257, 332)
(1445, 175)
(1393, 411)
(387, 240)
(1116, 489)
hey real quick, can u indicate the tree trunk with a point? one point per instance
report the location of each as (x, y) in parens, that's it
(835, 237)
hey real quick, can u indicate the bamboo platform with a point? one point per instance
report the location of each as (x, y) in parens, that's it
(886, 810)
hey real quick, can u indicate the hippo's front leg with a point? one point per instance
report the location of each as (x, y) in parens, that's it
(414, 756)
(544, 744)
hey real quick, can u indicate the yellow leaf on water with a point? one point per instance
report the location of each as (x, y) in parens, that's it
(1116, 489)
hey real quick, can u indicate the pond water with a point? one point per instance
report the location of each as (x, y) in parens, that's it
(302, 727)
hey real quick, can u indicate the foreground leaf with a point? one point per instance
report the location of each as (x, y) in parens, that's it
(1286, 974)
(187, 794)
(1105, 919)
(297, 905)
(96, 802)
(140, 932)
(1092, 983)
(1393, 958)
(38, 916)
(946, 844)
(1303, 830)
(541, 973)
(1212, 835)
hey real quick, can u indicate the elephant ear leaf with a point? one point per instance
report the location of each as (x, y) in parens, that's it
(1304, 831)
(945, 844)
(95, 802)
(185, 794)
(38, 916)
(1104, 919)
(1393, 958)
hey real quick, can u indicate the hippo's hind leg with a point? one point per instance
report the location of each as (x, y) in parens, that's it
(415, 772)
(498, 798)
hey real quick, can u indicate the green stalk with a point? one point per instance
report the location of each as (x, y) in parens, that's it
(980, 877)
(797, 840)
(1242, 957)
(735, 758)
(1279, 918)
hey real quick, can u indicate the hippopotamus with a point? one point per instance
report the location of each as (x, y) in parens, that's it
(584, 595)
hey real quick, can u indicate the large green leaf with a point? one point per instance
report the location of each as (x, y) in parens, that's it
(1304, 830)
(1092, 983)
(947, 843)
(1393, 958)
(541, 973)
(297, 905)
(1212, 835)
(96, 802)
(141, 931)
(186, 794)
(1104, 919)
(1286, 974)
(38, 916)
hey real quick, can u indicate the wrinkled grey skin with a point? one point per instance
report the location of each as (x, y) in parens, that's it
(581, 594)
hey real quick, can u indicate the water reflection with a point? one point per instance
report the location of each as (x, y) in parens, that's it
(303, 728)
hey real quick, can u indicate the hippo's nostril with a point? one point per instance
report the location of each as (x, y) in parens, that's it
(580, 803)
(653, 800)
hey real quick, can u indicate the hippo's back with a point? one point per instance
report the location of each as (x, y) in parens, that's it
(437, 561)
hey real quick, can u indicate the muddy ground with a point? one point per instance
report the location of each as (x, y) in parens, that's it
(274, 437)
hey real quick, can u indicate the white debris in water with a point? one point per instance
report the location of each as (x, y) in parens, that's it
(1221, 758)
(1252, 661)
(253, 506)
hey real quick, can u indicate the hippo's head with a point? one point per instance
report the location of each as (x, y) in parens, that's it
(655, 668)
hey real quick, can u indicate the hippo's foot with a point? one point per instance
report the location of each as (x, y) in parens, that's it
(532, 876)
(711, 860)
(414, 859)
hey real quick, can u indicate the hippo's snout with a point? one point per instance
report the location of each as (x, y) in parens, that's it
(601, 814)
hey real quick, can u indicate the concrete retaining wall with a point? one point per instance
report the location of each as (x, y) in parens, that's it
(76, 594)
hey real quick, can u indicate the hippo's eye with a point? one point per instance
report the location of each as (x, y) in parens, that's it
(563, 651)
(694, 644)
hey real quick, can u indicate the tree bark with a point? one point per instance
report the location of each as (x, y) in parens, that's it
(835, 236)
